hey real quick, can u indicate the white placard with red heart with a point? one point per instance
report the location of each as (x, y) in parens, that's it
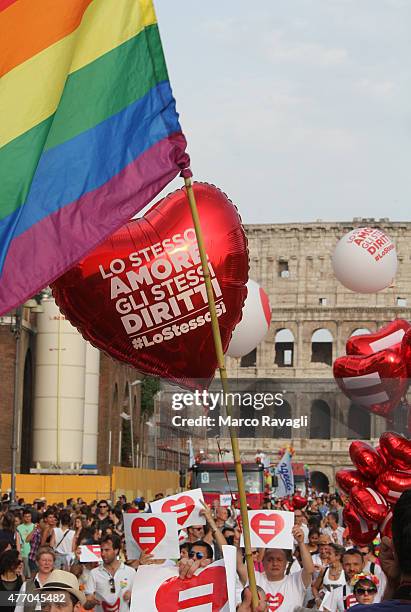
(186, 506)
(271, 529)
(90, 553)
(160, 588)
(156, 534)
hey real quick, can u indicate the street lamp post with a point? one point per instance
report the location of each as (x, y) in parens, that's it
(136, 382)
(14, 435)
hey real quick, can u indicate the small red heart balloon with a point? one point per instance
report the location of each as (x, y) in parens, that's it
(299, 502)
(362, 532)
(141, 297)
(369, 504)
(392, 483)
(396, 449)
(347, 479)
(366, 459)
(406, 350)
(390, 336)
(376, 382)
(386, 525)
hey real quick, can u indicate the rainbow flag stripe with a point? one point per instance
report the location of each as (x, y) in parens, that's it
(89, 133)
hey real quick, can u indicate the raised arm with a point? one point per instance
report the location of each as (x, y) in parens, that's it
(217, 535)
(306, 559)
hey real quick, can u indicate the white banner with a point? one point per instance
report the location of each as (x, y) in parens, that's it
(90, 553)
(156, 534)
(160, 589)
(186, 506)
(271, 529)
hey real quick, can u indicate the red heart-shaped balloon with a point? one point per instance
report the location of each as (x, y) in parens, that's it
(140, 296)
(369, 504)
(362, 532)
(347, 479)
(388, 337)
(366, 459)
(396, 449)
(299, 502)
(392, 483)
(267, 526)
(376, 382)
(177, 594)
(406, 350)
(148, 541)
(182, 506)
(386, 525)
(274, 601)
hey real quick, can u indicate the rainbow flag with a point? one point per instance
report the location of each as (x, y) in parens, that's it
(89, 133)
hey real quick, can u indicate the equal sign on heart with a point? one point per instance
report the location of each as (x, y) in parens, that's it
(362, 383)
(149, 538)
(388, 341)
(196, 599)
(180, 510)
(266, 528)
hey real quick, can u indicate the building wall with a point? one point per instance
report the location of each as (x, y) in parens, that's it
(7, 373)
(115, 378)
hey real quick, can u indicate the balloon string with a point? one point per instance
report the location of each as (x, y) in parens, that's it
(224, 382)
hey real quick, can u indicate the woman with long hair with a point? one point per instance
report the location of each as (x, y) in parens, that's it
(8, 531)
(79, 523)
(11, 569)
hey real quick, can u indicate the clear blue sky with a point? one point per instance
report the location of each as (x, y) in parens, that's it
(297, 109)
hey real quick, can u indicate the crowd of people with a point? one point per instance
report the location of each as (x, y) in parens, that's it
(40, 546)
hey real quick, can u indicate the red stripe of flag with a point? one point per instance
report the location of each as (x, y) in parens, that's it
(5, 3)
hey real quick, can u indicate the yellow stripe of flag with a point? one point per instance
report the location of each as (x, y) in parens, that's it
(31, 92)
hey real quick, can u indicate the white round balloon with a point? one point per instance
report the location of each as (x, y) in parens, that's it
(365, 260)
(254, 324)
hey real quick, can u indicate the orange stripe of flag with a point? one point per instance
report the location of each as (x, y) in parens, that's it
(28, 27)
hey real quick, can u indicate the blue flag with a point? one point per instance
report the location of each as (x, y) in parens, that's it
(284, 472)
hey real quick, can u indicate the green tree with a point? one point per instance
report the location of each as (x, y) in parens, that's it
(149, 387)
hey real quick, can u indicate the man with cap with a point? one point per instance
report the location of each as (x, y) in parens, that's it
(61, 593)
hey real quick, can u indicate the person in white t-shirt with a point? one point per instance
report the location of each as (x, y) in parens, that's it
(333, 530)
(64, 542)
(284, 592)
(300, 520)
(109, 585)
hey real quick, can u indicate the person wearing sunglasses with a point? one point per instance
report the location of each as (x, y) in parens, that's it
(365, 588)
(110, 584)
(102, 517)
(202, 552)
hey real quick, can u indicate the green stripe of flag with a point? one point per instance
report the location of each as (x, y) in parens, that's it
(129, 70)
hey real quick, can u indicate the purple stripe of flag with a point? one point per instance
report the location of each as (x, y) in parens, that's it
(42, 253)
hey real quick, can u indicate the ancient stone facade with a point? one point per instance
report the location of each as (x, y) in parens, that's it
(312, 317)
